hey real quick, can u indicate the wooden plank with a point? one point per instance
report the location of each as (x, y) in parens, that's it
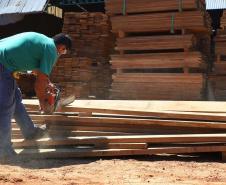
(74, 133)
(69, 152)
(142, 106)
(120, 145)
(140, 129)
(136, 123)
(140, 112)
(182, 138)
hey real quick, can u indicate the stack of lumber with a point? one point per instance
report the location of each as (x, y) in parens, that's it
(26, 84)
(132, 6)
(101, 81)
(223, 20)
(158, 86)
(219, 74)
(191, 20)
(73, 75)
(167, 40)
(72, 69)
(90, 33)
(90, 128)
(79, 89)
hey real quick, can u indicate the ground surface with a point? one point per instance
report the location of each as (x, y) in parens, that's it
(154, 169)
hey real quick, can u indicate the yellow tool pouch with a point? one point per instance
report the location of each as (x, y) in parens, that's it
(16, 74)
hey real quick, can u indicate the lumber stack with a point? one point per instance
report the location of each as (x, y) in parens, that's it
(132, 6)
(101, 81)
(90, 33)
(150, 86)
(161, 39)
(73, 75)
(26, 84)
(223, 20)
(90, 128)
(219, 74)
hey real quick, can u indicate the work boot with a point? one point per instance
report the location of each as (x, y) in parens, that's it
(39, 133)
(8, 158)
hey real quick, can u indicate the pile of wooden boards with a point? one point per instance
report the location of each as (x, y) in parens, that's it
(73, 75)
(101, 81)
(90, 128)
(219, 74)
(26, 83)
(92, 44)
(162, 46)
(223, 20)
(145, 6)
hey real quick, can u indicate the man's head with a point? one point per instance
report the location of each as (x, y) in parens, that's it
(63, 43)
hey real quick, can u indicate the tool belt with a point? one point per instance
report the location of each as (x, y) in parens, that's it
(16, 74)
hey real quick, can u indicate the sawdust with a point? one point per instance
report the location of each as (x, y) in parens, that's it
(205, 168)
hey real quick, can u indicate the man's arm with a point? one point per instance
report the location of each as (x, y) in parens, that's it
(40, 87)
(49, 85)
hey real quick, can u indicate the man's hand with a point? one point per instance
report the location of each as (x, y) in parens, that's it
(50, 86)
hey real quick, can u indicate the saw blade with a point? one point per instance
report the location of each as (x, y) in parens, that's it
(64, 102)
(68, 100)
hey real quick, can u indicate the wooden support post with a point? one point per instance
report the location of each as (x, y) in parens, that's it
(122, 34)
(224, 156)
(85, 114)
(119, 70)
(186, 70)
(121, 52)
(218, 58)
(186, 50)
(185, 31)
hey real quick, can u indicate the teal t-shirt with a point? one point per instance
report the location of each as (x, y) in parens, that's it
(28, 51)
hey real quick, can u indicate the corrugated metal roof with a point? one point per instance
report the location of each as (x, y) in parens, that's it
(21, 6)
(215, 4)
(10, 18)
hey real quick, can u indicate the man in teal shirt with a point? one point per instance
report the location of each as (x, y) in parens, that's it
(27, 51)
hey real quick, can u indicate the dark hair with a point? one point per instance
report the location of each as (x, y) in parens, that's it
(63, 39)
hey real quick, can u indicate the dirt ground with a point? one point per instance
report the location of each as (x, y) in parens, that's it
(204, 168)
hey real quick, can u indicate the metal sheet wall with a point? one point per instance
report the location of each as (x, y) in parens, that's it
(215, 4)
(21, 6)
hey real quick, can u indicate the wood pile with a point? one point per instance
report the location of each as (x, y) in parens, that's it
(219, 75)
(26, 84)
(154, 40)
(191, 20)
(223, 20)
(90, 33)
(132, 6)
(101, 81)
(89, 128)
(73, 75)
(150, 86)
